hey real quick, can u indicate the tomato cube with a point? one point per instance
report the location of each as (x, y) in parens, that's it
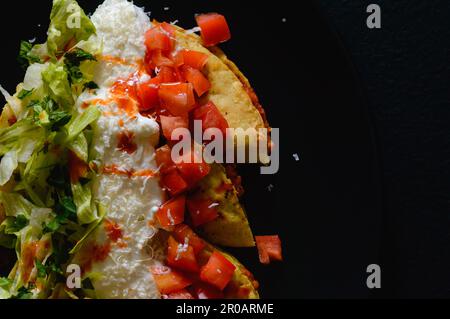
(214, 28)
(218, 271)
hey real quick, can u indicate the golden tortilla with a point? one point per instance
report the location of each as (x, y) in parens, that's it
(227, 92)
(231, 228)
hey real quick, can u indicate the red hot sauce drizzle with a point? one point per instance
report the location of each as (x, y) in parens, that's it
(126, 143)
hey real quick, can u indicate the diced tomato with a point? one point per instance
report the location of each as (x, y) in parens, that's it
(77, 168)
(158, 59)
(192, 168)
(168, 74)
(172, 212)
(169, 281)
(197, 79)
(202, 211)
(157, 38)
(211, 117)
(148, 94)
(174, 183)
(171, 123)
(218, 271)
(205, 291)
(195, 59)
(177, 58)
(214, 28)
(269, 248)
(168, 28)
(181, 256)
(178, 98)
(183, 233)
(181, 295)
(193, 172)
(164, 158)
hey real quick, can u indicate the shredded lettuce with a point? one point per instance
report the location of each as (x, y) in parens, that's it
(82, 121)
(11, 160)
(90, 230)
(8, 165)
(5, 285)
(42, 206)
(26, 56)
(15, 204)
(56, 80)
(73, 61)
(33, 79)
(14, 103)
(80, 147)
(15, 136)
(68, 22)
(86, 208)
(17, 144)
(32, 234)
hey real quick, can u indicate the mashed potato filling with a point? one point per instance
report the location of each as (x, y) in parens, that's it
(119, 255)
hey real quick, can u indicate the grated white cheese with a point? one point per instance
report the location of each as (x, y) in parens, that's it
(214, 205)
(130, 202)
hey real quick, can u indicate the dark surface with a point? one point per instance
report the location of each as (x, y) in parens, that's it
(404, 67)
(327, 206)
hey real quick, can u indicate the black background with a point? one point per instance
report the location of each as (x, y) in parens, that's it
(366, 115)
(404, 68)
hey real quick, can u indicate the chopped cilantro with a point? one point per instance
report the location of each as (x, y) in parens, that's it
(24, 94)
(24, 293)
(72, 61)
(18, 224)
(25, 57)
(46, 113)
(41, 269)
(91, 85)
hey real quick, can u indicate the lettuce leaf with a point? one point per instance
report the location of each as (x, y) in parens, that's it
(5, 285)
(68, 22)
(14, 103)
(80, 147)
(82, 121)
(90, 230)
(15, 204)
(15, 136)
(8, 165)
(17, 144)
(86, 208)
(13, 225)
(73, 61)
(56, 81)
(26, 56)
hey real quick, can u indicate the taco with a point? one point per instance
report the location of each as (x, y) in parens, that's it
(93, 198)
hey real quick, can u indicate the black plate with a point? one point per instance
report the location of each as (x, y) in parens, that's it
(326, 206)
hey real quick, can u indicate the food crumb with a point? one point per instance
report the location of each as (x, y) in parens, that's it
(296, 157)
(270, 188)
